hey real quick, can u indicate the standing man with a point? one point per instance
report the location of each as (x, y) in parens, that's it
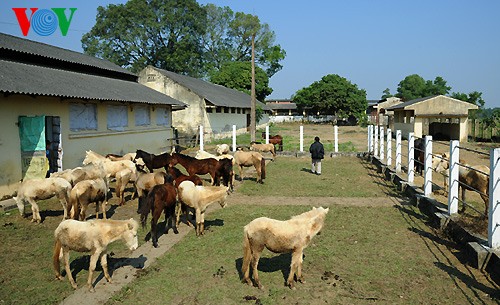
(317, 153)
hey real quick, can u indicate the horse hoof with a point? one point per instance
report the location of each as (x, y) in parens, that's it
(155, 245)
(176, 231)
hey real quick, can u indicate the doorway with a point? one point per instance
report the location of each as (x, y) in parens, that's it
(41, 149)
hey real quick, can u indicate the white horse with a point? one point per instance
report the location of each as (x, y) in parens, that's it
(91, 236)
(111, 167)
(292, 235)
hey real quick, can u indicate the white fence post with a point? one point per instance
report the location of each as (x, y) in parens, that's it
(411, 160)
(234, 138)
(370, 138)
(382, 143)
(375, 144)
(301, 138)
(201, 137)
(398, 151)
(267, 134)
(494, 207)
(428, 166)
(336, 137)
(389, 147)
(453, 178)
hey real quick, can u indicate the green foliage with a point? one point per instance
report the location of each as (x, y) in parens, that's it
(414, 86)
(473, 97)
(386, 93)
(238, 75)
(180, 36)
(165, 34)
(333, 94)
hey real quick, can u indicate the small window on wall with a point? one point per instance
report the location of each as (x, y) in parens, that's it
(218, 109)
(82, 117)
(142, 115)
(117, 117)
(162, 115)
(209, 109)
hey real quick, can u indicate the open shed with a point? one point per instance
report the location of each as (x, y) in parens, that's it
(440, 116)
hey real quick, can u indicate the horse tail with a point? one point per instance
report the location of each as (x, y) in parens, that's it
(247, 254)
(146, 206)
(55, 258)
(263, 168)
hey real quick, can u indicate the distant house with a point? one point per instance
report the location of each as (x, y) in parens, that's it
(441, 116)
(57, 104)
(379, 115)
(215, 107)
(283, 110)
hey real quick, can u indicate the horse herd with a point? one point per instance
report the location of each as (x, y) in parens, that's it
(166, 190)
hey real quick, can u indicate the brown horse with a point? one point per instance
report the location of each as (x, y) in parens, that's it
(153, 161)
(215, 168)
(163, 197)
(178, 176)
(276, 140)
(251, 158)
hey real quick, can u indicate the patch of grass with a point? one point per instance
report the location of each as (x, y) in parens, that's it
(363, 255)
(292, 177)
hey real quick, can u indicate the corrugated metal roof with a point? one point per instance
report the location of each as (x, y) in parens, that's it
(282, 106)
(216, 94)
(43, 50)
(21, 78)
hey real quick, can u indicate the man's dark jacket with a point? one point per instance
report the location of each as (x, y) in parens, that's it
(317, 151)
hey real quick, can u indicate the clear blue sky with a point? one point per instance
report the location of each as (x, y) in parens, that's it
(374, 44)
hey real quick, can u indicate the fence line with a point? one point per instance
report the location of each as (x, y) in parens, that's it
(452, 178)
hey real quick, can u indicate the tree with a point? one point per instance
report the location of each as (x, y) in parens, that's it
(386, 93)
(162, 33)
(238, 76)
(228, 38)
(333, 94)
(473, 97)
(414, 86)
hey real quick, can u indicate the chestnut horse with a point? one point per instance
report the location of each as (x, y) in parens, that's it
(163, 197)
(215, 168)
(276, 140)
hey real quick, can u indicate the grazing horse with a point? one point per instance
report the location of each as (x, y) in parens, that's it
(163, 197)
(251, 158)
(263, 148)
(199, 198)
(153, 161)
(292, 235)
(276, 140)
(91, 236)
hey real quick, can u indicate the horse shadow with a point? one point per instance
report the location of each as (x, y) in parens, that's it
(270, 264)
(109, 213)
(48, 213)
(83, 263)
(162, 228)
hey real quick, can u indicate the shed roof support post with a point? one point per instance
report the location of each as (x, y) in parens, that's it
(382, 143)
(336, 137)
(398, 151)
(453, 178)
(389, 147)
(494, 204)
(201, 138)
(234, 138)
(301, 138)
(411, 160)
(428, 166)
(375, 144)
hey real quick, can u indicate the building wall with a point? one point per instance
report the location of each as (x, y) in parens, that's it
(216, 125)
(153, 138)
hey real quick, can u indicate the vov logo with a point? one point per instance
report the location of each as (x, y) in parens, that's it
(44, 21)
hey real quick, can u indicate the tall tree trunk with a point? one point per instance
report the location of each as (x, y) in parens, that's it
(253, 102)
